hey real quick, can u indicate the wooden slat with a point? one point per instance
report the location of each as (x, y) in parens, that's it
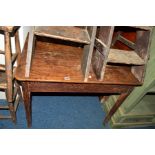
(102, 44)
(7, 28)
(5, 117)
(69, 33)
(124, 57)
(2, 67)
(143, 27)
(4, 107)
(15, 93)
(17, 46)
(29, 52)
(10, 29)
(14, 56)
(143, 42)
(87, 54)
(2, 52)
(126, 42)
(3, 84)
(16, 103)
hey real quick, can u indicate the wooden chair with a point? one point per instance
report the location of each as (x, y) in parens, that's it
(7, 70)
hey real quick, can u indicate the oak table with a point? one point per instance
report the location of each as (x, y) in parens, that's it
(56, 68)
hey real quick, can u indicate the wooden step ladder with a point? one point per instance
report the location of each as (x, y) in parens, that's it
(134, 53)
(99, 46)
(83, 35)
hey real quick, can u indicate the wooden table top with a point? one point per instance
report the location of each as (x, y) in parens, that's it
(52, 62)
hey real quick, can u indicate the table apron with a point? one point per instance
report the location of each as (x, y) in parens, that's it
(75, 87)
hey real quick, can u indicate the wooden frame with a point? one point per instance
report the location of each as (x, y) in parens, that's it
(7, 71)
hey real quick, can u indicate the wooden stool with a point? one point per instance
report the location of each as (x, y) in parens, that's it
(7, 81)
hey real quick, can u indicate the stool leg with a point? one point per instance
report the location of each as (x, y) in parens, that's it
(27, 103)
(9, 75)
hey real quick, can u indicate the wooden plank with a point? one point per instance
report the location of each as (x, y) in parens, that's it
(104, 36)
(16, 104)
(87, 55)
(124, 57)
(29, 51)
(3, 84)
(2, 67)
(143, 41)
(4, 107)
(13, 58)
(68, 33)
(7, 28)
(17, 46)
(5, 117)
(126, 42)
(2, 52)
(143, 27)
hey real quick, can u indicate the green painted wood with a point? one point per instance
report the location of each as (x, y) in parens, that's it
(139, 107)
(139, 116)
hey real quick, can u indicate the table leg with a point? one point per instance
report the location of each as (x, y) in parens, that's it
(27, 103)
(119, 101)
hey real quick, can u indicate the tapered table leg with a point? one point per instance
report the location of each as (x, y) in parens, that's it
(27, 103)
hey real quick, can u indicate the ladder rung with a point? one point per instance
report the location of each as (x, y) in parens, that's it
(2, 67)
(126, 42)
(2, 52)
(3, 84)
(5, 117)
(4, 107)
(124, 57)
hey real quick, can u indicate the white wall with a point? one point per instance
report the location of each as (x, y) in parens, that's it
(22, 36)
